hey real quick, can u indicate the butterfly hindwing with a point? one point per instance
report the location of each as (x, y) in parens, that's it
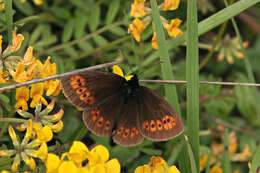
(157, 120)
(127, 132)
(101, 118)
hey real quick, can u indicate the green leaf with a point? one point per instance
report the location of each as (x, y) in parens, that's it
(80, 24)
(246, 102)
(67, 31)
(36, 34)
(100, 41)
(4, 98)
(94, 18)
(25, 8)
(112, 11)
(117, 30)
(61, 13)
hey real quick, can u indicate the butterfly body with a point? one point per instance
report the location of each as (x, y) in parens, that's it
(114, 106)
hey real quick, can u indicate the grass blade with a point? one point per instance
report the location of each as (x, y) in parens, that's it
(192, 76)
(226, 160)
(256, 161)
(170, 90)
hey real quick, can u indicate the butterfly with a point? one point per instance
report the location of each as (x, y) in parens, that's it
(116, 105)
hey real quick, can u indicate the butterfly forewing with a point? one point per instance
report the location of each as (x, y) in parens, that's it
(127, 133)
(86, 90)
(157, 120)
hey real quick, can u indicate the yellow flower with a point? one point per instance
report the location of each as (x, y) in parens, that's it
(243, 156)
(154, 41)
(42, 152)
(52, 163)
(21, 150)
(2, 6)
(16, 41)
(215, 169)
(203, 162)
(28, 59)
(22, 96)
(20, 75)
(2, 77)
(136, 28)
(36, 94)
(68, 166)
(117, 70)
(38, 2)
(173, 29)
(138, 9)
(170, 4)
(13, 136)
(48, 69)
(52, 87)
(157, 164)
(230, 48)
(44, 134)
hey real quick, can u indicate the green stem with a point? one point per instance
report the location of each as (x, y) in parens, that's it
(86, 37)
(99, 49)
(9, 18)
(13, 120)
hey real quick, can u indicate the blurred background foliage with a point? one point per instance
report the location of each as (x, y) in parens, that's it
(83, 33)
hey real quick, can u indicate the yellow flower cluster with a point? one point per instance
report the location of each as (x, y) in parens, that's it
(30, 147)
(43, 118)
(142, 15)
(24, 69)
(157, 164)
(217, 151)
(229, 48)
(73, 161)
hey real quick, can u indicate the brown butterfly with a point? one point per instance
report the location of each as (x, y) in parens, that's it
(118, 106)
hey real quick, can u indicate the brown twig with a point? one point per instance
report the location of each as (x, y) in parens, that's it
(201, 82)
(59, 75)
(114, 63)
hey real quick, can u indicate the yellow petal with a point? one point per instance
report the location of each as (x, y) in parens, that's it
(29, 59)
(154, 42)
(16, 163)
(37, 2)
(45, 134)
(31, 163)
(171, 4)
(42, 152)
(143, 169)
(28, 133)
(173, 29)
(113, 166)
(101, 152)
(78, 152)
(215, 169)
(68, 166)
(136, 28)
(16, 42)
(117, 70)
(52, 163)
(138, 9)
(57, 127)
(13, 136)
(173, 169)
